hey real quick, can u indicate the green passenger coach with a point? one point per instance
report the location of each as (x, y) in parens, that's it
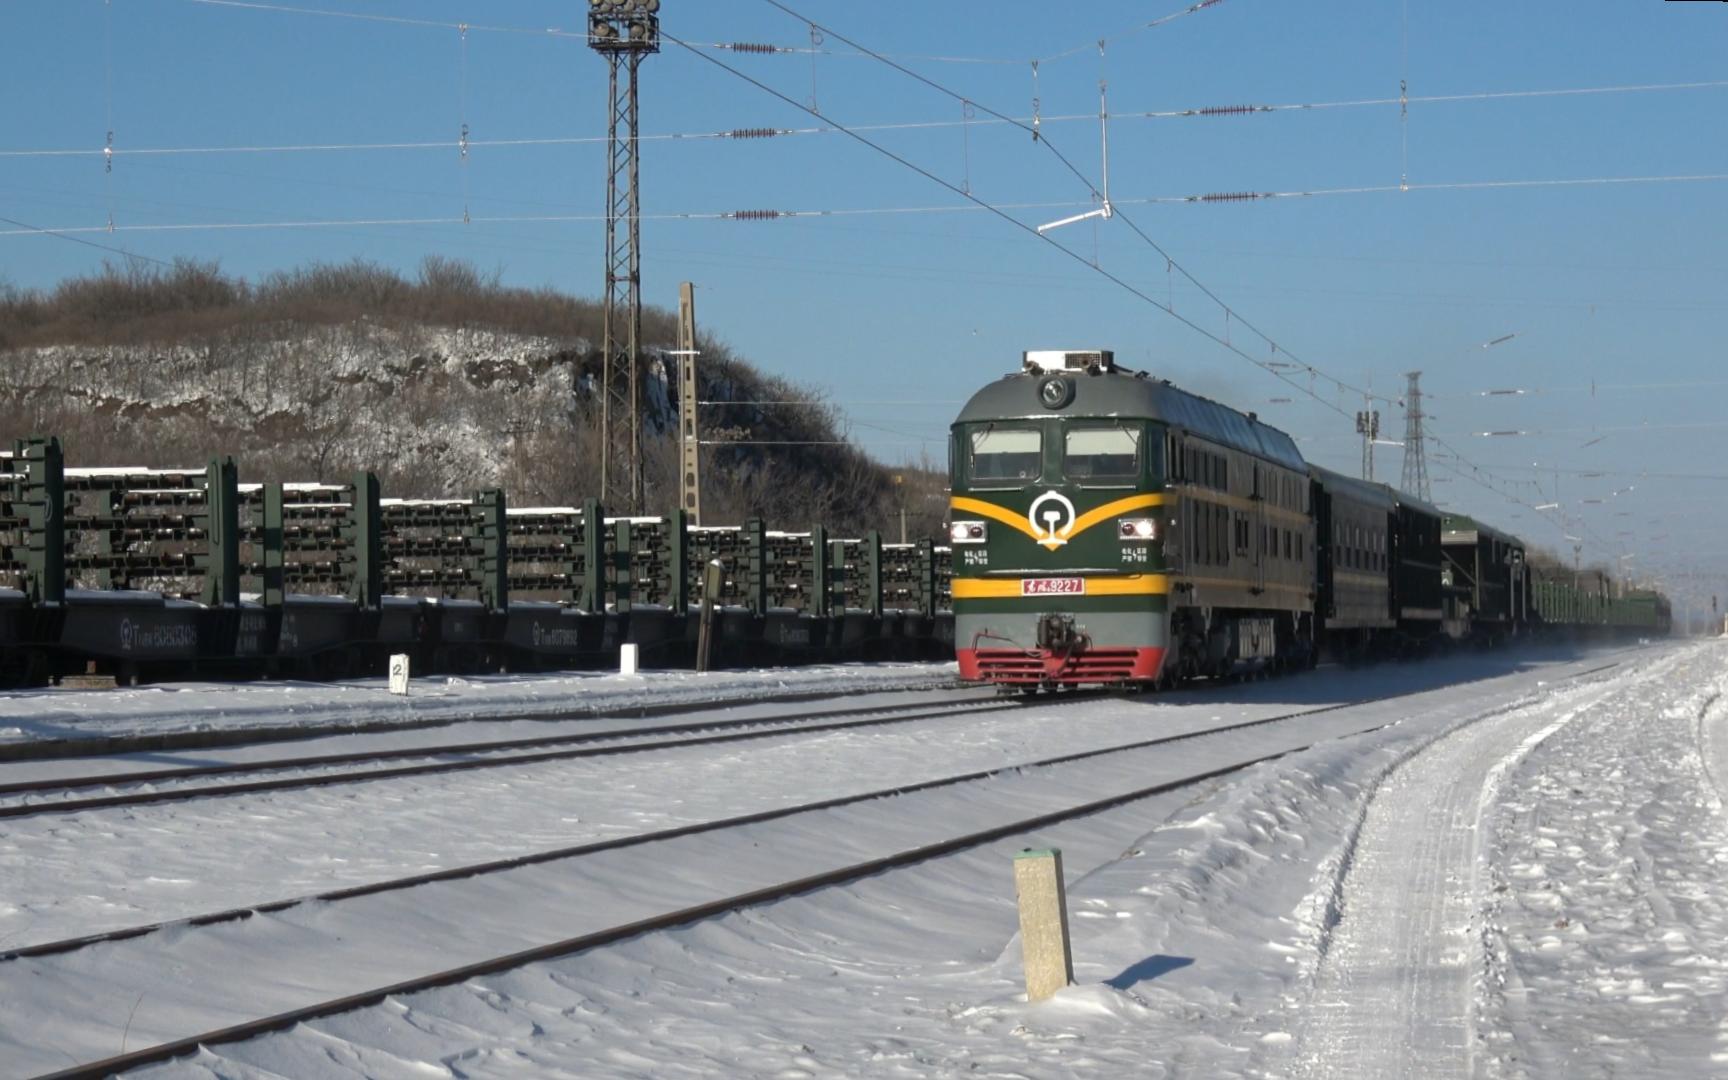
(1108, 527)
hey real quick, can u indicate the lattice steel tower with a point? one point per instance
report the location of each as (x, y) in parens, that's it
(1415, 458)
(624, 32)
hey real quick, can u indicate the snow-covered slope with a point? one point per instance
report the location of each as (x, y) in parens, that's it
(436, 406)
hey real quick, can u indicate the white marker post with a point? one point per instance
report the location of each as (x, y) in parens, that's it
(1043, 922)
(399, 674)
(627, 658)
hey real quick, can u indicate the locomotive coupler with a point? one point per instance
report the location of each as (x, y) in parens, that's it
(1059, 634)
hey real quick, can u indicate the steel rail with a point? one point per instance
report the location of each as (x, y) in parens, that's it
(640, 839)
(906, 857)
(762, 728)
(63, 749)
(96, 780)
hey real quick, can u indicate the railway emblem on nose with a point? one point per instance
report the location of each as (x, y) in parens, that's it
(1052, 518)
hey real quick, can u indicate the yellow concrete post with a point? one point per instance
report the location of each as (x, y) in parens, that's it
(1043, 922)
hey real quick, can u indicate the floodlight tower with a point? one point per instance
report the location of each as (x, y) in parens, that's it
(1368, 426)
(1415, 459)
(624, 32)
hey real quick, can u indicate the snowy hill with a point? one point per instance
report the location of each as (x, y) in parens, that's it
(443, 385)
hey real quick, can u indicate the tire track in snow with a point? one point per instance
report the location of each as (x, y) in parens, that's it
(1394, 993)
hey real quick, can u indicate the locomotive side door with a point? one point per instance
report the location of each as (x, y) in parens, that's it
(1257, 543)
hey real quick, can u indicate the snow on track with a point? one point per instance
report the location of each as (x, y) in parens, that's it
(1192, 943)
(1607, 926)
(276, 962)
(27, 715)
(404, 741)
(104, 869)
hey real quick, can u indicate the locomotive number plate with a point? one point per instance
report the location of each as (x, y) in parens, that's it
(1052, 586)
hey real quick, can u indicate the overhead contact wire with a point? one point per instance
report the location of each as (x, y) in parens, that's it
(1022, 226)
(1098, 194)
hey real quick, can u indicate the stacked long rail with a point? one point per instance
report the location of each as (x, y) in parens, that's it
(136, 573)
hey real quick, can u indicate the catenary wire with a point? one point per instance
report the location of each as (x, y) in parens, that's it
(1169, 260)
(24, 228)
(747, 133)
(890, 211)
(991, 208)
(753, 48)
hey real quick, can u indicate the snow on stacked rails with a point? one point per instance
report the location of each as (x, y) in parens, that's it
(139, 573)
(1110, 528)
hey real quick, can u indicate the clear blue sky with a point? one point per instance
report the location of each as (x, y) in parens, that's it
(897, 317)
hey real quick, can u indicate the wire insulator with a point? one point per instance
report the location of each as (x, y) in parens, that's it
(755, 133)
(1229, 196)
(755, 47)
(756, 215)
(1231, 110)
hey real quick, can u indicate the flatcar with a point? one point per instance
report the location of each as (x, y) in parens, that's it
(1109, 527)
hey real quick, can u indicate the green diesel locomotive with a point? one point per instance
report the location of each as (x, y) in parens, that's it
(1108, 527)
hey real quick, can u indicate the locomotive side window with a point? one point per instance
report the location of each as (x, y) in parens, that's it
(1005, 457)
(1101, 455)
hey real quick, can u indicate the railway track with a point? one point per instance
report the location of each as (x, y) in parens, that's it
(56, 795)
(641, 839)
(905, 856)
(204, 739)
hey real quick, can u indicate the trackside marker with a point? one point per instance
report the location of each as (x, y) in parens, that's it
(1043, 922)
(399, 674)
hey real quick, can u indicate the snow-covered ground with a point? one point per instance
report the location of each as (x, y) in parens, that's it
(1524, 874)
(1606, 932)
(27, 715)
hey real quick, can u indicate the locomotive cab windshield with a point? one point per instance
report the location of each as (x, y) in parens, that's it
(1004, 456)
(1103, 456)
(1089, 453)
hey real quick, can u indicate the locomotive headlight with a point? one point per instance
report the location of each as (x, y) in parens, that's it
(968, 532)
(1137, 529)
